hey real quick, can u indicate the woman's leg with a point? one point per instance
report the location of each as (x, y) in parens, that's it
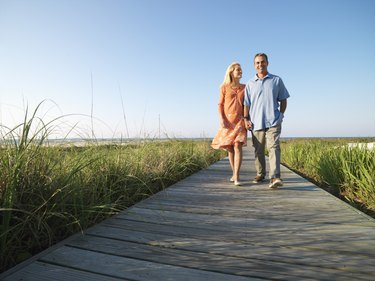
(231, 160)
(237, 161)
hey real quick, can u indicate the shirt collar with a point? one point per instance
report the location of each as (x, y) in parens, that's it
(256, 78)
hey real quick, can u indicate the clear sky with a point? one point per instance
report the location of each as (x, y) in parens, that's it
(148, 67)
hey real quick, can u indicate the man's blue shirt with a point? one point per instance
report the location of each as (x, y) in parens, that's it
(262, 96)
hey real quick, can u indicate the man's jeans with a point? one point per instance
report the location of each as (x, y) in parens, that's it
(272, 137)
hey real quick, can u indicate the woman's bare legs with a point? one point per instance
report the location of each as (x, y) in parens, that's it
(237, 161)
(231, 161)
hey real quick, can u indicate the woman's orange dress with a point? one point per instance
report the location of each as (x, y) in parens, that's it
(231, 106)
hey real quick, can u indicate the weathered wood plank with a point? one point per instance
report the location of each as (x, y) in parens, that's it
(243, 224)
(324, 239)
(223, 263)
(237, 248)
(274, 212)
(295, 213)
(290, 256)
(40, 271)
(133, 269)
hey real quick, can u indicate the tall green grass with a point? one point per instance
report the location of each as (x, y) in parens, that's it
(351, 171)
(49, 192)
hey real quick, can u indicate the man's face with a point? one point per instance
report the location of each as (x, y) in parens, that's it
(261, 65)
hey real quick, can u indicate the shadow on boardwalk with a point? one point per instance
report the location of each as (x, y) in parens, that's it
(204, 228)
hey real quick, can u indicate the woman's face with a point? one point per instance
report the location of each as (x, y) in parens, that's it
(237, 72)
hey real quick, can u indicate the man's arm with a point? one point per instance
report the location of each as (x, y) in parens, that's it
(246, 115)
(246, 112)
(283, 105)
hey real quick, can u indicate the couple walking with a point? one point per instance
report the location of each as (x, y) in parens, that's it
(258, 106)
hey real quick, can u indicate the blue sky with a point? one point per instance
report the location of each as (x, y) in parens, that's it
(148, 67)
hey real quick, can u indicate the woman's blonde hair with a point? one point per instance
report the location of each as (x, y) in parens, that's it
(230, 69)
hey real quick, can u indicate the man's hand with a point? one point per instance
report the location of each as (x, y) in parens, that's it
(248, 124)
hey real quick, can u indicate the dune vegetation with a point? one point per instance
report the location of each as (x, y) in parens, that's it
(344, 169)
(49, 192)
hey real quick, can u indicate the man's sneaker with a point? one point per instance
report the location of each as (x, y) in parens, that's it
(258, 179)
(275, 183)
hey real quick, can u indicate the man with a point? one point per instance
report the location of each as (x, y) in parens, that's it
(264, 107)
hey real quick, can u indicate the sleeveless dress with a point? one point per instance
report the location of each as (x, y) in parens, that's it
(231, 103)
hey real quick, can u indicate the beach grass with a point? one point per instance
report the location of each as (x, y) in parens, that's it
(346, 171)
(49, 192)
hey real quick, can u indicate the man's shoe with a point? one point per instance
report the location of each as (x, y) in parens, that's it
(275, 183)
(258, 179)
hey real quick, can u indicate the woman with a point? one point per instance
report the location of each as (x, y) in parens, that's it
(232, 135)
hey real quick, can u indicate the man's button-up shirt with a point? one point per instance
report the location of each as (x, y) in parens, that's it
(262, 96)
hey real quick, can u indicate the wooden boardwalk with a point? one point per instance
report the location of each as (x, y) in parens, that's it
(204, 228)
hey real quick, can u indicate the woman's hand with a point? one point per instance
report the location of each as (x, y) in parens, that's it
(248, 124)
(224, 124)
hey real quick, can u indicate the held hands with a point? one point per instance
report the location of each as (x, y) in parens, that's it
(248, 124)
(226, 125)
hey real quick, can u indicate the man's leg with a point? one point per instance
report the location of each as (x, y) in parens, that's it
(273, 146)
(259, 142)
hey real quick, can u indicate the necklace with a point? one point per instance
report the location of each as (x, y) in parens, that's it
(235, 89)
